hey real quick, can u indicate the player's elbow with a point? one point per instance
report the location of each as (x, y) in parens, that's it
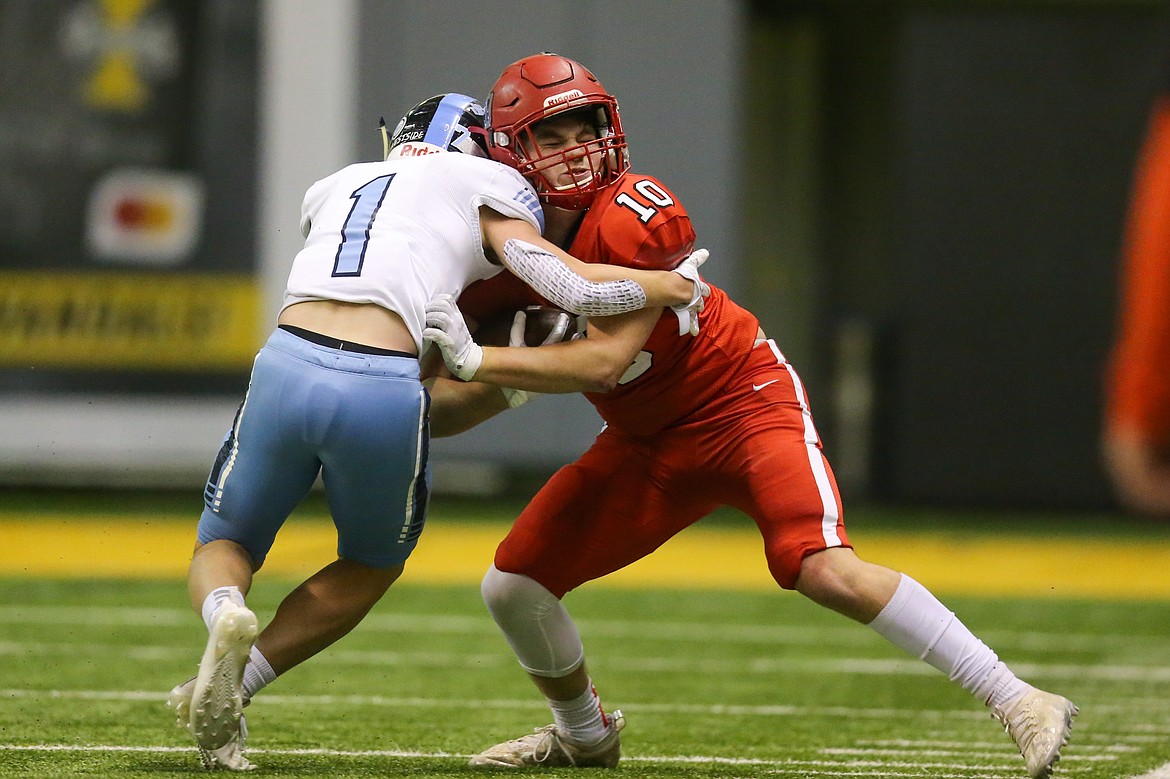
(604, 375)
(597, 384)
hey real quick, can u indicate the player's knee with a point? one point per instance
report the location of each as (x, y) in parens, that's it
(364, 585)
(510, 596)
(840, 580)
(829, 576)
(499, 589)
(382, 578)
(224, 552)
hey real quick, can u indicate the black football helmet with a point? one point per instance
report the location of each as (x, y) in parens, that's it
(448, 122)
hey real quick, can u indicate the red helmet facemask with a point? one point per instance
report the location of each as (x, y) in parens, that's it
(543, 86)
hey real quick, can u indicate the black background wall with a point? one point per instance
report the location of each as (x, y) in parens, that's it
(972, 165)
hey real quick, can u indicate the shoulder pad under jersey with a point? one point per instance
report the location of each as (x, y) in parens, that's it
(643, 224)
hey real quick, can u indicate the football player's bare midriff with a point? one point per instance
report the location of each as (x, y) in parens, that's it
(359, 323)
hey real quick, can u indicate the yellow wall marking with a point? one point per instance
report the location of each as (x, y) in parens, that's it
(128, 320)
(115, 82)
(718, 558)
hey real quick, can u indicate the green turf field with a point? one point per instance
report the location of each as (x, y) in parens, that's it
(723, 681)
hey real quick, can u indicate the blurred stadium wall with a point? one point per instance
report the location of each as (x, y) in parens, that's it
(921, 200)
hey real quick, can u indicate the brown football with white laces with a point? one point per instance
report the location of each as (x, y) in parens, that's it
(538, 325)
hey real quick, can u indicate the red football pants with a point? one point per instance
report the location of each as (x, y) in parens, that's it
(755, 448)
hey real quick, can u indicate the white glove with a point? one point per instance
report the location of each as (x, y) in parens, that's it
(518, 397)
(688, 313)
(520, 323)
(447, 330)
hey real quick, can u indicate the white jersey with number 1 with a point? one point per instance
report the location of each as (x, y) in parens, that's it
(399, 232)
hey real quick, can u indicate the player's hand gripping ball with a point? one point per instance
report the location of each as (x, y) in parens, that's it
(531, 326)
(539, 325)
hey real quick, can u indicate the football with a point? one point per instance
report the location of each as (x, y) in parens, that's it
(538, 325)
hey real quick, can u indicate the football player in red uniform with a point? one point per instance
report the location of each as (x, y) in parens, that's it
(1136, 429)
(695, 418)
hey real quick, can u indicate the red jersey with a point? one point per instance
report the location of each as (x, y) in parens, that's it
(638, 223)
(695, 423)
(1138, 386)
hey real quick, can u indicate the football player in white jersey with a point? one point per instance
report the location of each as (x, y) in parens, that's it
(336, 391)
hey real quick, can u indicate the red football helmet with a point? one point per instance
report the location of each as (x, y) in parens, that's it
(542, 86)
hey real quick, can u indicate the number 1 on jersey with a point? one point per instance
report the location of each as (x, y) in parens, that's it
(355, 233)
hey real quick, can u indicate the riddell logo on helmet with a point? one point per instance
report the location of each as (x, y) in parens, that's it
(413, 150)
(563, 97)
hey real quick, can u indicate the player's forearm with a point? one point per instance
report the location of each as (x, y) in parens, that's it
(662, 288)
(592, 289)
(577, 366)
(586, 288)
(458, 406)
(675, 290)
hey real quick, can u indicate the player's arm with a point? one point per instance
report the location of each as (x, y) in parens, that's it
(593, 364)
(581, 287)
(457, 406)
(1140, 472)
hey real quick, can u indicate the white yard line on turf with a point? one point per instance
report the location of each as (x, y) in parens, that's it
(872, 768)
(536, 705)
(456, 624)
(869, 666)
(1147, 732)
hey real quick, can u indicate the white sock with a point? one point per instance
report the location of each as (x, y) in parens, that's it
(582, 719)
(258, 674)
(216, 598)
(915, 621)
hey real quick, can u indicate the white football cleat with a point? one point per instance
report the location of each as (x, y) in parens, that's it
(545, 747)
(180, 701)
(1040, 723)
(217, 699)
(229, 757)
